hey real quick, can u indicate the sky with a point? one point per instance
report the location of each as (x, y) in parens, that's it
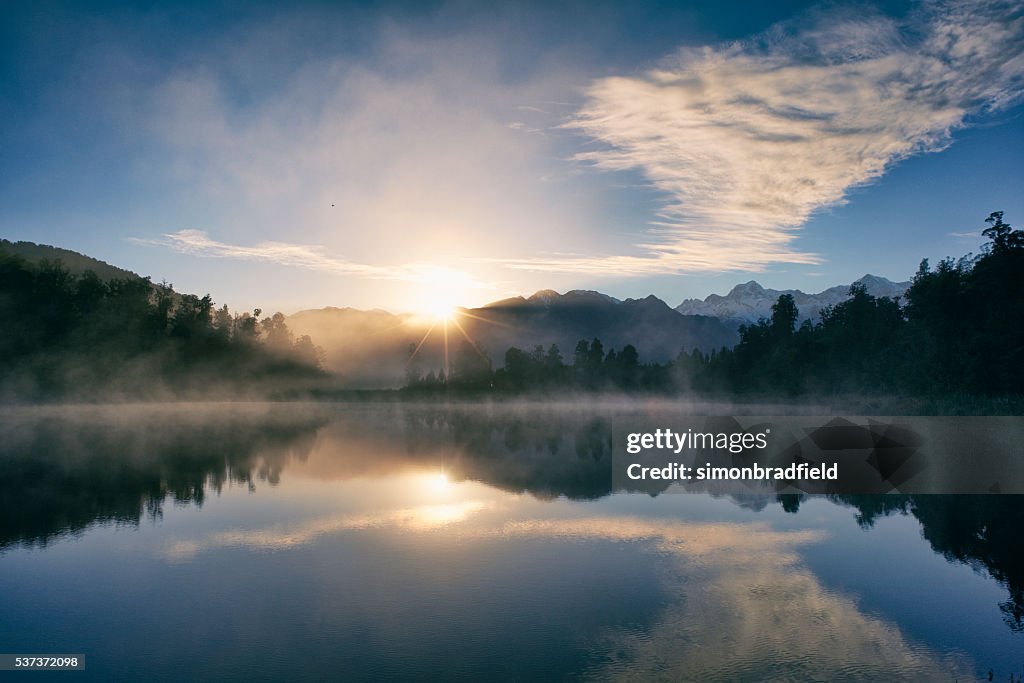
(411, 156)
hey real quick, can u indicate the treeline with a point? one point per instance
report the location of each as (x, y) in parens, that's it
(68, 336)
(960, 330)
(544, 370)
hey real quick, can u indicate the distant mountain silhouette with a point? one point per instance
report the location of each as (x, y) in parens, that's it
(748, 302)
(547, 318)
(75, 262)
(371, 348)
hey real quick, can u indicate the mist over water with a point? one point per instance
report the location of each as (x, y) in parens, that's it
(389, 541)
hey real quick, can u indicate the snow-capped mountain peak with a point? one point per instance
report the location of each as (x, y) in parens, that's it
(750, 301)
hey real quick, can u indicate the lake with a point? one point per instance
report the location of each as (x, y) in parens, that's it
(404, 542)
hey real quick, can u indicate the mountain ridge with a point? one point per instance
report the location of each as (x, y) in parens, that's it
(749, 301)
(77, 263)
(374, 349)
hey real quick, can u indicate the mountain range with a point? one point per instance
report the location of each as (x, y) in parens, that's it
(748, 302)
(371, 349)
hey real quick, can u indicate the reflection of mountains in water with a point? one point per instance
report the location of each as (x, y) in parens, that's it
(68, 471)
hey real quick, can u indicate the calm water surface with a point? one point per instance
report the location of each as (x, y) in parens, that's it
(320, 542)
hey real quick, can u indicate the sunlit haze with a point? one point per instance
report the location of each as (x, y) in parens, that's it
(440, 292)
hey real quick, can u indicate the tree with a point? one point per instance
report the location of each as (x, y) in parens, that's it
(191, 318)
(471, 368)
(246, 326)
(593, 364)
(223, 323)
(1003, 236)
(595, 356)
(553, 359)
(517, 368)
(276, 334)
(784, 316)
(628, 371)
(308, 353)
(579, 356)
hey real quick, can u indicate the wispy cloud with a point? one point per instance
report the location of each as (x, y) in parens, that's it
(310, 257)
(747, 140)
(198, 243)
(281, 537)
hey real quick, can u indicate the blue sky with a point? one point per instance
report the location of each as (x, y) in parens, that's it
(394, 155)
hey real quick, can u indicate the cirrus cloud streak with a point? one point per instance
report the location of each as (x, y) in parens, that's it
(309, 257)
(746, 141)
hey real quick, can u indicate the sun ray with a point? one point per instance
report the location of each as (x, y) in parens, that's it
(471, 343)
(418, 346)
(447, 371)
(466, 314)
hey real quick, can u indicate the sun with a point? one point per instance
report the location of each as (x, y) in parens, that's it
(438, 293)
(439, 310)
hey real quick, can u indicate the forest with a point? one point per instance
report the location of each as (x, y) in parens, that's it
(81, 337)
(960, 331)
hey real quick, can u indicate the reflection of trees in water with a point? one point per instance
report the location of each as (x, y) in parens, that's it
(547, 455)
(568, 454)
(62, 475)
(983, 532)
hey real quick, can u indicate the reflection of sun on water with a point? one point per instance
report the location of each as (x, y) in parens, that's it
(437, 483)
(432, 516)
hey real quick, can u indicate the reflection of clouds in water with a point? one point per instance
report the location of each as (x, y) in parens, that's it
(748, 611)
(421, 518)
(692, 540)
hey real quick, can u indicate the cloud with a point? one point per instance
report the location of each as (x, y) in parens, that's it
(754, 596)
(425, 151)
(745, 141)
(199, 243)
(284, 537)
(420, 150)
(400, 152)
(757, 611)
(312, 257)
